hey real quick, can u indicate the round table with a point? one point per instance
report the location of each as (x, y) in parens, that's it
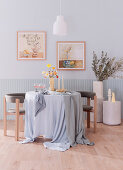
(61, 120)
(111, 113)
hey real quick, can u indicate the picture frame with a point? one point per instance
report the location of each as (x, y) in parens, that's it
(70, 55)
(31, 45)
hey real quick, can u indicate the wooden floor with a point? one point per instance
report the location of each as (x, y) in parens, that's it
(107, 154)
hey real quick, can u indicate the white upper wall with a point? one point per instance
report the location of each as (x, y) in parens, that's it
(98, 22)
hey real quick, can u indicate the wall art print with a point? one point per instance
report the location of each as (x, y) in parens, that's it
(70, 55)
(31, 45)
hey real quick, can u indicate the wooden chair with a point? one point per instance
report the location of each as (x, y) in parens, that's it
(18, 99)
(87, 108)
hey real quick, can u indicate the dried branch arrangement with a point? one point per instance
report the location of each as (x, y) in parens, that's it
(105, 67)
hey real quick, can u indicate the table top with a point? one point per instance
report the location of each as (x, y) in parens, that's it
(108, 102)
(52, 93)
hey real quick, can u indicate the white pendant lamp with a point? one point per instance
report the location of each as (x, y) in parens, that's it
(60, 26)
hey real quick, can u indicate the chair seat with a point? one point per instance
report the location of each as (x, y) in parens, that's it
(87, 108)
(12, 110)
(87, 94)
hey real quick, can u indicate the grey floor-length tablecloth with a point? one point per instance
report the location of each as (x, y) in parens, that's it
(61, 120)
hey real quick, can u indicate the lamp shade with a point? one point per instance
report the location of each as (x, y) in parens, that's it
(60, 26)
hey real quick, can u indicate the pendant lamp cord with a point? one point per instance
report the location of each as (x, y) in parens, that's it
(60, 7)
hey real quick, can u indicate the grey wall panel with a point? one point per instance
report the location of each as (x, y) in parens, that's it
(23, 85)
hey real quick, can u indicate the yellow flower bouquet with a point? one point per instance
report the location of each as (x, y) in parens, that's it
(51, 74)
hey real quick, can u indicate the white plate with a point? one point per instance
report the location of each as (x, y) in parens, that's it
(58, 93)
(53, 92)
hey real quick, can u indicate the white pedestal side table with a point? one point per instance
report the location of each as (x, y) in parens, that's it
(111, 113)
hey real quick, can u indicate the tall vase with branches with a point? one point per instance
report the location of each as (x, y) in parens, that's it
(105, 66)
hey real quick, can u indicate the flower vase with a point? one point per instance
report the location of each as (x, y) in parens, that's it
(98, 89)
(51, 82)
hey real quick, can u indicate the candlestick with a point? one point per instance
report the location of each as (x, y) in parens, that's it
(58, 83)
(113, 97)
(62, 82)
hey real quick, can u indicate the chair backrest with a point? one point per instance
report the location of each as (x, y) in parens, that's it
(11, 98)
(87, 94)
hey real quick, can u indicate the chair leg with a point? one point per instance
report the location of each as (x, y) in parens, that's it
(88, 114)
(21, 119)
(88, 119)
(95, 113)
(21, 123)
(17, 120)
(5, 117)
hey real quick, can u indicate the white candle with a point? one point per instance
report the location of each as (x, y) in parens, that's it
(109, 95)
(62, 82)
(58, 83)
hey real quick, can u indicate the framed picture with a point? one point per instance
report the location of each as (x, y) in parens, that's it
(70, 55)
(31, 45)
